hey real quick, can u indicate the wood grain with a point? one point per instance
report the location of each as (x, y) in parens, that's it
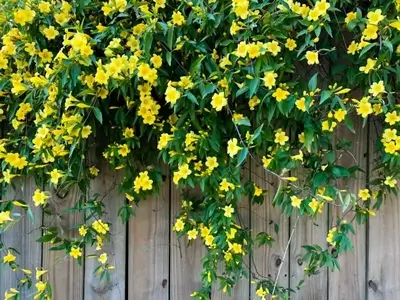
(22, 236)
(65, 275)
(267, 260)
(148, 263)
(106, 186)
(308, 232)
(383, 280)
(349, 283)
(186, 267)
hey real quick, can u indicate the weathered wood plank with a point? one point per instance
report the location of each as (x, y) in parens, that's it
(308, 232)
(267, 260)
(22, 237)
(185, 266)
(105, 185)
(149, 247)
(349, 283)
(65, 275)
(383, 280)
(242, 289)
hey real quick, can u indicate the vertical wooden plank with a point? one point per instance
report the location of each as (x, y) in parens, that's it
(22, 237)
(383, 239)
(106, 186)
(242, 289)
(267, 260)
(149, 247)
(185, 262)
(65, 275)
(349, 283)
(308, 232)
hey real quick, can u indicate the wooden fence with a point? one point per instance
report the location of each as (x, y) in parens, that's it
(152, 264)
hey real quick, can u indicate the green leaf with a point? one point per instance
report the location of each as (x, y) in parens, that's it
(256, 134)
(313, 82)
(366, 49)
(325, 95)
(320, 179)
(254, 83)
(242, 156)
(340, 172)
(244, 121)
(98, 114)
(192, 98)
(196, 66)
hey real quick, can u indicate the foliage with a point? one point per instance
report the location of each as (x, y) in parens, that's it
(204, 86)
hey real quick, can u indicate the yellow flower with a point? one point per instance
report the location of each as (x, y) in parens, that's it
(269, 79)
(9, 258)
(364, 108)
(172, 95)
(353, 48)
(315, 205)
(44, 7)
(82, 230)
(312, 57)
(392, 118)
(280, 137)
(253, 50)
(100, 226)
(40, 286)
(156, 60)
(39, 197)
(370, 32)
(253, 102)
(280, 94)
(331, 236)
(178, 18)
(390, 134)
(184, 171)
(369, 66)
(165, 138)
(179, 225)
(101, 77)
(102, 258)
(257, 191)
(390, 181)
(75, 252)
(350, 16)
(219, 101)
(273, 47)
(340, 114)
(241, 50)
(55, 176)
(236, 248)
(301, 104)
(23, 16)
(192, 234)
(50, 33)
(228, 211)
(364, 194)
(233, 147)
(123, 150)
(94, 171)
(211, 163)
(290, 44)
(377, 88)
(5, 217)
(143, 181)
(296, 202)
(374, 17)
